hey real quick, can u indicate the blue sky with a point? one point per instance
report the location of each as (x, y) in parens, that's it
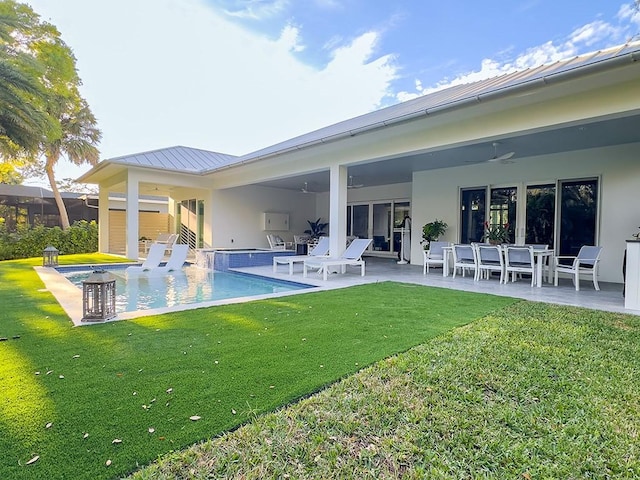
(235, 76)
(435, 41)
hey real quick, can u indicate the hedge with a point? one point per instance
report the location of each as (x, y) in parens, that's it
(81, 237)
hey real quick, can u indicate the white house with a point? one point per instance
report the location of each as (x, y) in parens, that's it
(573, 178)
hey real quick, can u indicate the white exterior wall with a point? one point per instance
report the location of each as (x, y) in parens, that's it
(436, 193)
(237, 215)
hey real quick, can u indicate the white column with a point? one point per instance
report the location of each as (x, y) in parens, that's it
(103, 219)
(632, 283)
(209, 227)
(338, 210)
(131, 222)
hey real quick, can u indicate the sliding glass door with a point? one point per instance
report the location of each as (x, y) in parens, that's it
(380, 221)
(562, 215)
(382, 227)
(360, 222)
(472, 214)
(502, 209)
(541, 214)
(578, 215)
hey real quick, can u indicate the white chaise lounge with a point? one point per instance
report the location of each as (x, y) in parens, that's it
(320, 250)
(154, 257)
(352, 256)
(176, 260)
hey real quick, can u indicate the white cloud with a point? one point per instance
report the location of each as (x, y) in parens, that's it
(258, 9)
(579, 41)
(593, 33)
(629, 13)
(159, 73)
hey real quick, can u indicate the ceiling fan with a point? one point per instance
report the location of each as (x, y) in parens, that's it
(504, 158)
(350, 184)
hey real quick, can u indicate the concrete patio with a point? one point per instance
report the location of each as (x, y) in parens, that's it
(609, 298)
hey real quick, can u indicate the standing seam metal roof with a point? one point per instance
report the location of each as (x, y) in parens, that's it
(180, 159)
(191, 160)
(452, 97)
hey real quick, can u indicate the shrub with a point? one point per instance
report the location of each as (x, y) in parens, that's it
(81, 237)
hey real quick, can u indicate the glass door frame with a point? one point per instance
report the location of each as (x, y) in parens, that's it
(370, 227)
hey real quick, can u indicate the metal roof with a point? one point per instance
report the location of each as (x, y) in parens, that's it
(191, 160)
(32, 191)
(180, 159)
(458, 96)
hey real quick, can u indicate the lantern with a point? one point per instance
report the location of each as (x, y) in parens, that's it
(50, 257)
(98, 297)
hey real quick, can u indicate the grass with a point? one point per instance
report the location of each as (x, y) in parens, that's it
(530, 391)
(97, 402)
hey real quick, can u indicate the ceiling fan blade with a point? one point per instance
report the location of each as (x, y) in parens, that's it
(503, 157)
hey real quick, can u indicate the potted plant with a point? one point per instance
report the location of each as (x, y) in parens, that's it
(316, 229)
(495, 234)
(432, 231)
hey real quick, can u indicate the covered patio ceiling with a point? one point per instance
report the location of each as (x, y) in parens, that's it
(384, 171)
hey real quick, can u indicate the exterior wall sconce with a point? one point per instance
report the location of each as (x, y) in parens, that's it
(98, 297)
(50, 257)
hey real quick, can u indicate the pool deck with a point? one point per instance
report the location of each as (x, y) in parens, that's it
(609, 298)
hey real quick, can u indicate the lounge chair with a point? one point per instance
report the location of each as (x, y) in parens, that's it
(321, 249)
(176, 260)
(352, 256)
(154, 257)
(167, 239)
(277, 243)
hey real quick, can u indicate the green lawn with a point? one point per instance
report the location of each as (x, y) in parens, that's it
(98, 401)
(532, 391)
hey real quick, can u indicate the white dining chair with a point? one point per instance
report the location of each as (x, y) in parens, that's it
(464, 258)
(490, 259)
(585, 263)
(519, 260)
(434, 255)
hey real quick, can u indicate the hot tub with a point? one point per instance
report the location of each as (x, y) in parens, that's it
(223, 259)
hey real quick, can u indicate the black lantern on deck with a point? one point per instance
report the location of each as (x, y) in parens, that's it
(98, 297)
(50, 257)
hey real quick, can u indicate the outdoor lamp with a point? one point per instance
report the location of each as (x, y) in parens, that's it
(98, 297)
(50, 257)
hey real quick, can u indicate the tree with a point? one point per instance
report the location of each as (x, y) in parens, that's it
(22, 126)
(72, 128)
(78, 139)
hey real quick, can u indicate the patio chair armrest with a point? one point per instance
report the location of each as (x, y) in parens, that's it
(587, 261)
(564, 257)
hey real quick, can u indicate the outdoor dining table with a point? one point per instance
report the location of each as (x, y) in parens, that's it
(539, 256)
(446, 254)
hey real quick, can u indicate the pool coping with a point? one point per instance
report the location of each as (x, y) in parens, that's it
(69, 296)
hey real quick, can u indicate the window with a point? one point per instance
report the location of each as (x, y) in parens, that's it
(472, 214)
(578, 215)
(502, 209)
(541, 214)
(562, 215)
(380, 221)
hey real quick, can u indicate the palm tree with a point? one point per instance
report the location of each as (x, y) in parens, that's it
(78, 139)
(21, 125)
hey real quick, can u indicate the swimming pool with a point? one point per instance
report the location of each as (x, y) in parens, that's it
(148, 290)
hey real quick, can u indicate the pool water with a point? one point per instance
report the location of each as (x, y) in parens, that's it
(143, 290)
